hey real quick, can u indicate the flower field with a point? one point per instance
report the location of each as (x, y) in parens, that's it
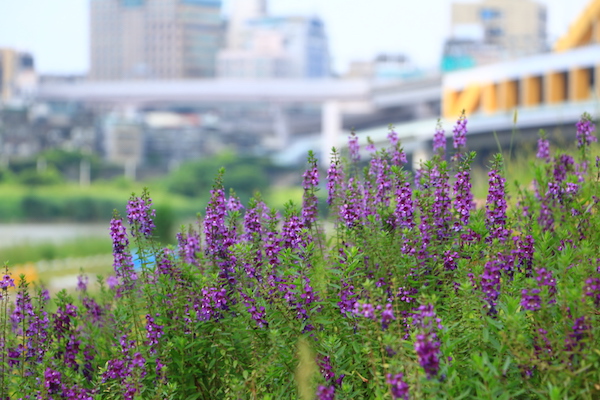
(404, 290)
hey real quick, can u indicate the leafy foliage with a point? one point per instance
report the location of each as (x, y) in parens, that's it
(407, 290)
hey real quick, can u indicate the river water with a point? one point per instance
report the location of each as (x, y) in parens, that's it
(15, 234)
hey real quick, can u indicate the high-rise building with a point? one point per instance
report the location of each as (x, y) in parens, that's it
(154, 39)
(493, 30)
(263, 46)
(18, 78)
(243, 11)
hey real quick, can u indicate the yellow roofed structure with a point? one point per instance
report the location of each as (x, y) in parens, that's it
(585, 30)
(568, 75)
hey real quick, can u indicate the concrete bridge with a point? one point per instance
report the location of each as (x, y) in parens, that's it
(545, 91)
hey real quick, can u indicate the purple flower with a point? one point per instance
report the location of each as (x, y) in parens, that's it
(309, 209)
(592, 290)
(562, 166)
(545, 279)
(188, 245)
(398, 387)
(139, 214)
(450, 258)
(543, 151)
(112, 281)
(272, 247)
(306, 303)
(392, 137)
(347, 299)
(6, 282)
(94, 311)
(214, 222)
(490, 283)
(292, 232)
(585, 131)
(253, 219)
(354, 148)
(460, 135)
(427, 345)
(82, 282)
(326, 392)
(387, 315)
(428, 349)
(213, 302)
(122, 261)
(365, 310)
(325, 367)
(579, 331)
(311, 175)
(351, 210)
(406, 294)
(404, 206)
(370, 147)
(218, 236)
(153, 332)
(233, 203)
(335, 178)
(530, 299)
(439, 140)
(52, 381)
(496, 207)
(440, 209)
(523, 253)
(398, 156)
(463, 197)
(381, 170)
(257, 313)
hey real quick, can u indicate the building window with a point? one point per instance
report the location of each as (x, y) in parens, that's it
(494, 32)
(488, 14)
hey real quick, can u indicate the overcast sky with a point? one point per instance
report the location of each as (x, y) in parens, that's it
(56, 31)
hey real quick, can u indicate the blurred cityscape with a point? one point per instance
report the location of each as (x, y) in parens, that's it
(173, 80)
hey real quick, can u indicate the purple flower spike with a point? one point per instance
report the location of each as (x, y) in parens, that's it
(404, 206)
(387, 315)
(52, 381)
(393, 137)
(7, 282)
(439, 140)
(326, 392)
(427, 349)
(592, 290)
(214, 223)
(427, 344)
(460, 135)
(490, 284)
(140, 215)
(123, 263)
(351, 211)
(496, 205)
(585, 131)
(543, 152)
(153, 332)
(398, 386)
(257, 313)
(325, 367)
(335, 178)
(309, 199)
(463, 196)
(188, 246)
(530, 299)
(354, 148)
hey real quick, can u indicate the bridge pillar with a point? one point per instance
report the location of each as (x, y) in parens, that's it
(421, 154)
(280, 126)
(331, 127)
